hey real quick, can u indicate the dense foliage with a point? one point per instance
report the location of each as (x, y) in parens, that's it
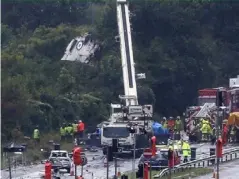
(181, 46)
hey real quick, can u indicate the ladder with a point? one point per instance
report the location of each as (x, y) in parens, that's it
(205, 110)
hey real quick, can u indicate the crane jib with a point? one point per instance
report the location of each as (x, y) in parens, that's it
(126, 40)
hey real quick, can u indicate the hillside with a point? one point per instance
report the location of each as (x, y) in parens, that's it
(181, 46)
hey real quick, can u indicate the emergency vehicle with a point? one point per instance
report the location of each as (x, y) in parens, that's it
(233, 119)
(207, 105)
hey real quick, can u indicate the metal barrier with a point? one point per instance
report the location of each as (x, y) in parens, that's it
(229, 155)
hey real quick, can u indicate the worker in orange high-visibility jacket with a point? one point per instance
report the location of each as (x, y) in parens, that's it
(224, 133)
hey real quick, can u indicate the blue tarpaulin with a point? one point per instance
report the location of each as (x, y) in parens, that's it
(158, 129)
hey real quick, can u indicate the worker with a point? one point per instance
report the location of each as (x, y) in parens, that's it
(204, 130)
(36, 135)
(69, 132)
(170, 144)
(98, 131)
(209, 130)
(201, 123)
(66, 131)
(171, 123)
(180, 144)
(178, 125)
(74, 125)
(224, 132)
(62, 132)
(165, 123)
(213, 136)
(186, 149)
(80, 129)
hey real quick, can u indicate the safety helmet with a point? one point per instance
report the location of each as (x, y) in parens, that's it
(224, 121)
(164, 118)
(80, 120)
(178, 117)
(170, 117)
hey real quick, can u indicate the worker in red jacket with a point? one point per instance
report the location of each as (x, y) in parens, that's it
(80, 129)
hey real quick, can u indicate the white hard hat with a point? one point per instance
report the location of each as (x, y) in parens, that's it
(178, 117)
(80, 120)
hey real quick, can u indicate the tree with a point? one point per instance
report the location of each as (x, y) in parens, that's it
(181, 46)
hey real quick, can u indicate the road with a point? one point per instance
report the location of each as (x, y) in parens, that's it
(227, 171)
(95, 167)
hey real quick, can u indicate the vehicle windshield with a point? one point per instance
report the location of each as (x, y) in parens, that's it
(117, 110)
(59, 154)
(159, 156)
(164, 154)
(115, 132)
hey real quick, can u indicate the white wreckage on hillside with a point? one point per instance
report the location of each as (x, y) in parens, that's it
(81, 49)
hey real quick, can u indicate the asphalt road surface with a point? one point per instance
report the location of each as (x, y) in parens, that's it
(95, 168)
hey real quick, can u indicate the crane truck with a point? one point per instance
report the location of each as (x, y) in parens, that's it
(128, 114)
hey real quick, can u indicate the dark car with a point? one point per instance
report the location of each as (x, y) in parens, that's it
(160, 160)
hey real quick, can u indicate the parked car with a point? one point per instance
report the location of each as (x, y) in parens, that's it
(160, 160)
(61, 163)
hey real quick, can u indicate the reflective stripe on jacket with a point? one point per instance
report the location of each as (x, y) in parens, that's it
(186, 149)
(62, 131)
(74, 127)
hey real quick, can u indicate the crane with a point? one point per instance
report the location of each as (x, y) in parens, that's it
(134, 110)
(126, 49)
(129, 113)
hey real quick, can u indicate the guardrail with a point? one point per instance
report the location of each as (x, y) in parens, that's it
(204, 162)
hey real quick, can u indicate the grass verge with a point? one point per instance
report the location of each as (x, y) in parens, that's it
(33, 153)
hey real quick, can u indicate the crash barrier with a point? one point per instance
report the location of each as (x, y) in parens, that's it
(228, 155)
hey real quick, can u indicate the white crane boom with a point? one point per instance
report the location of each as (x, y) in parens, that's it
(126, 48)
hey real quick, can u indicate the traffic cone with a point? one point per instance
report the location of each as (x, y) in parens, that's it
(214, 174)
(72, 171)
